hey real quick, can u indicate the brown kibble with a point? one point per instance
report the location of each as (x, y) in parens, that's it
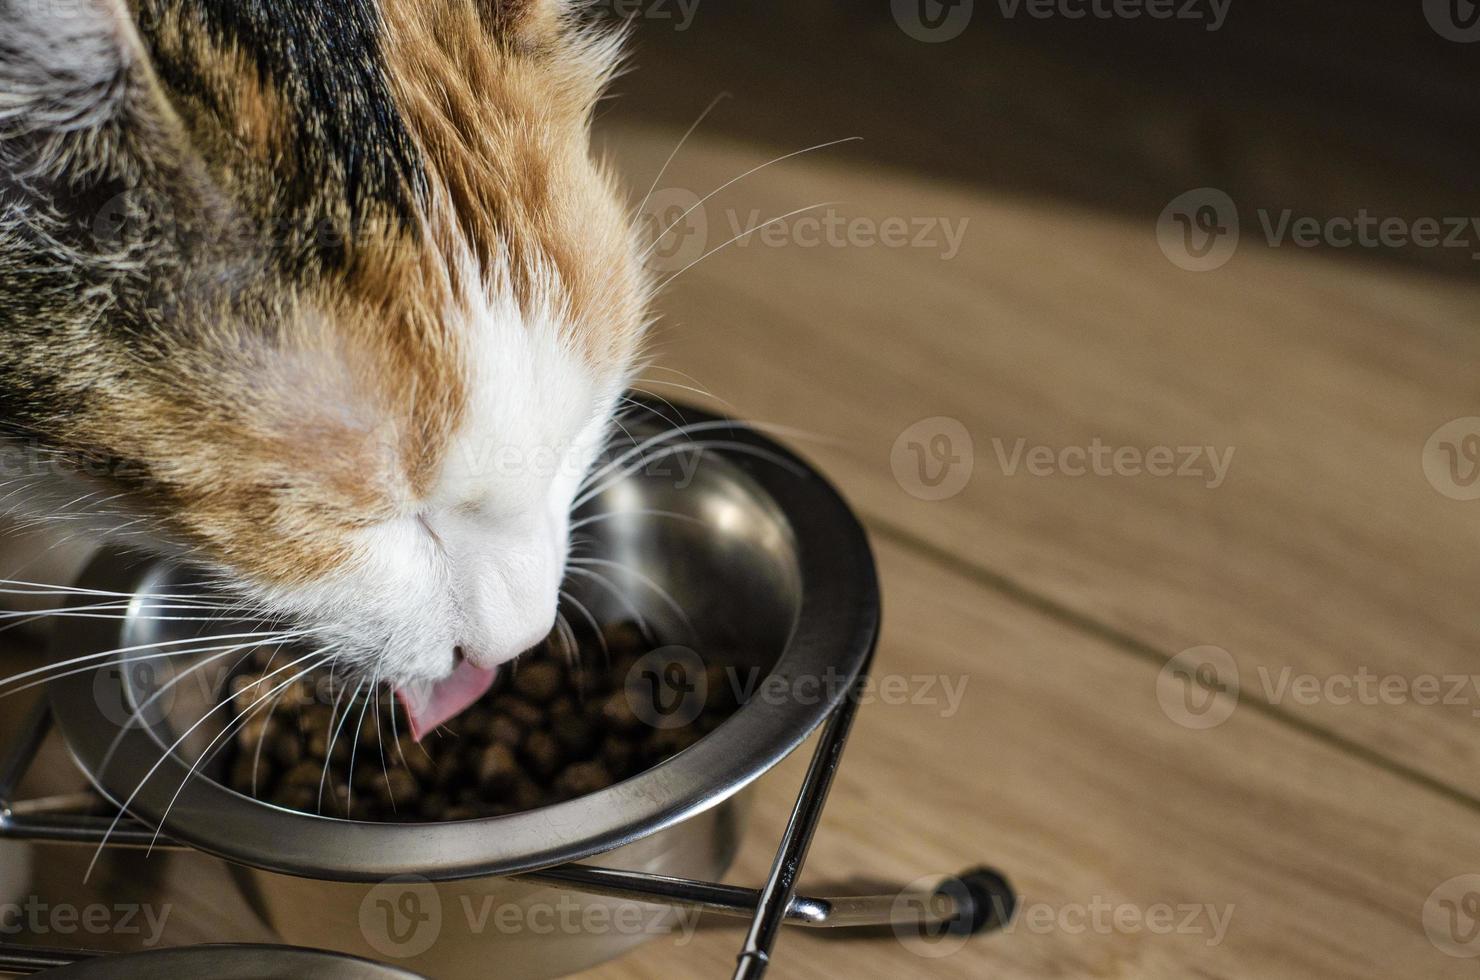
(245, 689)
(285, 748)
(503, 730)
(527, 714)
(617, 712)
(251, 733)
(433, 805)
(497, 769)
(295, 797)
(543, 754)
(588, 681)
(553, 729)
(415, 758)
(319, 743)
(537, 680)
(337, 799)
(582, 778)
(526, 794)
(304, 774)
(593, 709)
(246, 767)
(618, 754)
(576, 736)
(396, 789)
(624, 639)
(314, 718)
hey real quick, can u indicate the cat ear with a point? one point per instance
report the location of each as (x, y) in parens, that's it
(64, 64)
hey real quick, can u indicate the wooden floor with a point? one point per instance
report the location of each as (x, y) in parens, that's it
(1308, 819)
(1293, 821)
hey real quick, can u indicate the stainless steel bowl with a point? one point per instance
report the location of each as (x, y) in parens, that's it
(766, 562)
(240, 962)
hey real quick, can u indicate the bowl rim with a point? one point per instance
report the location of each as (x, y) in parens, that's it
(834, 635)
(231, 961)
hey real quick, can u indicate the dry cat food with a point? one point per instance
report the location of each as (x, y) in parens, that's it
(553, 727)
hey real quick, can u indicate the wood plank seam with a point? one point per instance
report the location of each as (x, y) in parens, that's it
(1129, 644)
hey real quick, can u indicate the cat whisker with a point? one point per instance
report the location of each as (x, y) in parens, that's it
(681, 387)
(743, 235)
(354, 746)
(155, 768)
(614, 514)
(329, 753)
(667, 163)
(606, 654)
(657, 589)
(636, 406)
(622, 459)
(226, 732)
(138, 713)
(385, 770)
(727, 446)
(262, 740)
(183, 644)
(617, 593)
(732, 182)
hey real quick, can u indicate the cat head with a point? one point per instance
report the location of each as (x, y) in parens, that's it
(329, 297)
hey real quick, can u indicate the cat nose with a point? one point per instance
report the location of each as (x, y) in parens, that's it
(514, 645)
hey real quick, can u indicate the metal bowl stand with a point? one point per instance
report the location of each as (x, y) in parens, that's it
(976, 901)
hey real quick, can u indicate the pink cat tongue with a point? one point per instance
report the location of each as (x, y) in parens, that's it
(430, 705)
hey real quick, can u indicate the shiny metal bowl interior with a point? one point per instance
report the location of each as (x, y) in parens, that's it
(766, 562)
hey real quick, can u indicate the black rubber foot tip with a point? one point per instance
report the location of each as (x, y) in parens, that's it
(985, 899)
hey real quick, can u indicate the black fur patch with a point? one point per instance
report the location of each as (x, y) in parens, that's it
(325, 58)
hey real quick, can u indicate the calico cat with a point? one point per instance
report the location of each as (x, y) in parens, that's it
(329, 297)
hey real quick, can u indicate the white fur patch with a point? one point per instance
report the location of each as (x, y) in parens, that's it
(479, 563)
